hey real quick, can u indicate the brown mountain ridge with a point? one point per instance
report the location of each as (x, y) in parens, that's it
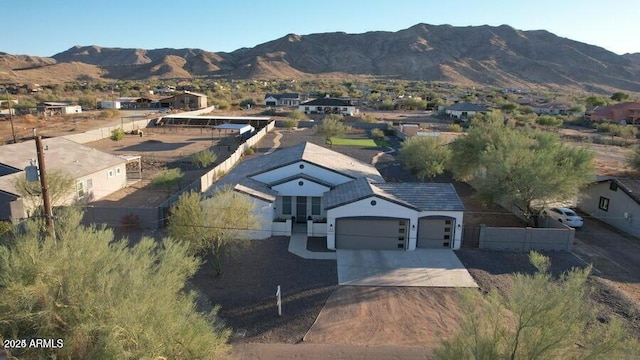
(473, 55)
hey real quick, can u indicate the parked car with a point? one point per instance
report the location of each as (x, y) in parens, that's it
(564, 215)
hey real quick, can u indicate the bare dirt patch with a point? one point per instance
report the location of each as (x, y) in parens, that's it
(358, 315)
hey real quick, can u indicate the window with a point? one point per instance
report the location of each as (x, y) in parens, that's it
(613, 186)
(603, 204)
(89, 184)
(315, 205)
(117, 171)
(110, 174)
(80, 189)
(286, 205)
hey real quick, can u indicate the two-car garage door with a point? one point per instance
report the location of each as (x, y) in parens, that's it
(374, 233)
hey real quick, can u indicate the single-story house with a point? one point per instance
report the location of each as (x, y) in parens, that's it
(348, 200)
(464, 110)
(134, 102)
(96, 174)
(614, 201)
(329, 106)
(286, 99)
(185, 100)
(51, 108)
(626, 112)
(550, 109)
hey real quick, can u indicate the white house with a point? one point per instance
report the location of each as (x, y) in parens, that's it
(347, 200)
(329, 106)
(286, 99)
(614, 201)
(96, 174)
(464, 110)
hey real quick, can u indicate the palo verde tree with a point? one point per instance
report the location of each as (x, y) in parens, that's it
(214, 225)
(425, 156)
(103, 298)
(117, 135)
(61, 186)
(520, 167)
(331, 126)
(537, 317)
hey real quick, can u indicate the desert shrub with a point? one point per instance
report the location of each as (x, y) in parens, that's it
(269, 112)
(203, 158)
(546, 120)
(5, 227)
(109, 113)
(377, 133)
(222, 104)
(624, 131)
(168, 178)
(250, 151)
(290, 123)
(580, 121)
(454, 128)
(368, 118)
(296, 115)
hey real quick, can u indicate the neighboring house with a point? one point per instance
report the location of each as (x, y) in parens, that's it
(134, 102)
(329, 106)
(96, 174)
(51, 108)
(550, 109)
(627, 112)
(185, 100)
(286, 99)
(110, 104)
(349, 199)
(464, 110)
(616, 202)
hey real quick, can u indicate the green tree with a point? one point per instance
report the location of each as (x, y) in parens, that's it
(619, 96)
(203, 158)
(377, 133)
(104, 298)
(61, 186)
(290, 123)
(508, 107)
(214, 225)
(537, 317)
(368, 118)
(520, 167)
(331, 126)
(117, 135)
(168, 178)
(425, 156)
(595, 101)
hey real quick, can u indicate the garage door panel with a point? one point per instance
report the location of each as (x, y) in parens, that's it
(435, 233)
(375, 234)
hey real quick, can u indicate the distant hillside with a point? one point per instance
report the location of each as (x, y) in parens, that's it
(474, 55)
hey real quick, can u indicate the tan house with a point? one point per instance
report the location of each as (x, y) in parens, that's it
(187, 100)
(626, 112)
(96, 174)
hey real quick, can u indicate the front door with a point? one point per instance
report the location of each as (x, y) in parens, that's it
(301, 209)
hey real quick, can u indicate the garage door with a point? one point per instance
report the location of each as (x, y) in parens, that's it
(435, 232)
(371, 233)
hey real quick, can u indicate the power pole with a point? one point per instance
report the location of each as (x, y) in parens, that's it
(13, 131)
(45, 188)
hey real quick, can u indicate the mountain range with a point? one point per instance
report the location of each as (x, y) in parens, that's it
(473, 55)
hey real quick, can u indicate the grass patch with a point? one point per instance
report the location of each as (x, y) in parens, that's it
(358, 142)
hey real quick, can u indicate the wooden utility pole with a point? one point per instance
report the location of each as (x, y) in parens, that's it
(13, 131)
(45, 188)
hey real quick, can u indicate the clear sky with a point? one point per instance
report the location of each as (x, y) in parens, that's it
(47, 27)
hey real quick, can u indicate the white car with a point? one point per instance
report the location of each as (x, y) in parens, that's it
(564, 215)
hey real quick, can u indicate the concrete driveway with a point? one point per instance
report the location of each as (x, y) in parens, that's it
(421, 267)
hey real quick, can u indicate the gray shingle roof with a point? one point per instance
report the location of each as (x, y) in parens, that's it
(62, 154)
(327, 102)
(417, 196)
(320, 156)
